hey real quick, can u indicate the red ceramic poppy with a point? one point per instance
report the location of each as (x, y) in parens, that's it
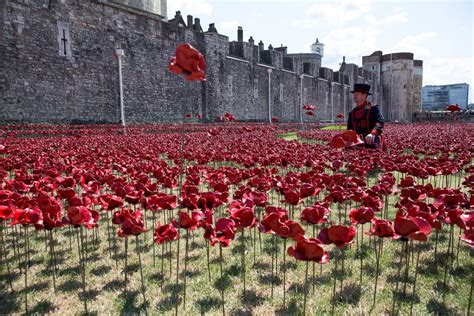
(340, 115)
(225, 231)
(453, 108)
(345, 140)
(6, 212)
(468, 237)
(189, 62)
(415, 228)
(274, 119)
(309, 107)
(190, 222)
(309, 113)
(309, 249)
(165, 233)
(243, 216)
(132, 225)
(82, 216)
(339, 235)
(316, 214)
(381, 228)
(361, 215)
(27, 216)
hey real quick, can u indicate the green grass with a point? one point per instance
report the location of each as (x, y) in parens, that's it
(292, 135)
(334, 128)
(105, 277)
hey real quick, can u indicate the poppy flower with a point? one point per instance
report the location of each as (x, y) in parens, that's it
(339, 235)
(345, 140)
(361, 215)
(309, 249)
(274, 119)
(164, 233)
(340, 115)
(309, 107)
(415, 228)
(273, 221)
(468, 237)
(82, 216)
(113, 202)
(243, 216)
(27, 216)
(225, 231)
(381, 228)
(132, 224)
(189, 62)
(316, 214)
(291, 197)
(6, 212)
(453, 108)
(190, 222)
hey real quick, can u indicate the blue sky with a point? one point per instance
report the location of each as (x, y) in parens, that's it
(438, 32)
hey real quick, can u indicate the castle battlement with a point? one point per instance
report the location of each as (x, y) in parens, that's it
(60, 67)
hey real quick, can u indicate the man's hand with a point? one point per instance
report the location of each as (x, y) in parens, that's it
(369, 139)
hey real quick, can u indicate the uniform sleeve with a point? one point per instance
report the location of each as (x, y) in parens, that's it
(377, 117)
(349, 122)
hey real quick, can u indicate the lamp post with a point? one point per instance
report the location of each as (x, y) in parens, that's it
(301, 98)
(269, 95)
(119, 53)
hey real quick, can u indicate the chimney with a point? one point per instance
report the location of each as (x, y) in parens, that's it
(251, 41)
(190, 21)
(270, 47)
(261, 46)
(240, 34)
(197, 25)
(212, 28)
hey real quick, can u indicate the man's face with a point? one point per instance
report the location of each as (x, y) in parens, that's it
(360, 97)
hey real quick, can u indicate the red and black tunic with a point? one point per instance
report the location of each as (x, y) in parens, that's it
(366, 119)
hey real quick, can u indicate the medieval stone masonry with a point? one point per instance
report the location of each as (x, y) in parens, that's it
(58, 66)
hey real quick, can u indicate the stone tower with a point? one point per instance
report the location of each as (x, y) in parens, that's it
(401, 79)
(153, 6)
(318, 48)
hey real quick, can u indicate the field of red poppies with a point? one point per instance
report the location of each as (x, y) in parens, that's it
(235, 218)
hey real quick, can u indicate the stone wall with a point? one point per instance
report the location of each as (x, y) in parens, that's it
(59, 67)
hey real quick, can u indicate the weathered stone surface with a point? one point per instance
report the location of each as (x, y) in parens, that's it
(38, 84)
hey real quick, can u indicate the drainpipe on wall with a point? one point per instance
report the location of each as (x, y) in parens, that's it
(119, 53)
(269, 95)
(301, 99)
(332, 102)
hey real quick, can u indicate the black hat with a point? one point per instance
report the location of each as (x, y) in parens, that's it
(362, 87)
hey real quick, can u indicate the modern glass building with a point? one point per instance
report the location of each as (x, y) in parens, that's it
(435, 98)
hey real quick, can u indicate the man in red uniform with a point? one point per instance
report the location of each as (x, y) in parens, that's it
(366, 119)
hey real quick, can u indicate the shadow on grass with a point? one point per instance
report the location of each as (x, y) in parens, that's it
(439, 308)
(88, 295)
(268, 278)
(101, 270)
(261, 266)
(240, 312)
(129, 307)
(291, 309)
(351, 294)
(9, 303)
(156, 277)
(70, 271)
(168, 303)
(408, 297)
(222, 283)
(114, 285)
(42, 307)
(252, 299)
(37, 287)
(207, 304)
(69, 286)
(191, 274)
